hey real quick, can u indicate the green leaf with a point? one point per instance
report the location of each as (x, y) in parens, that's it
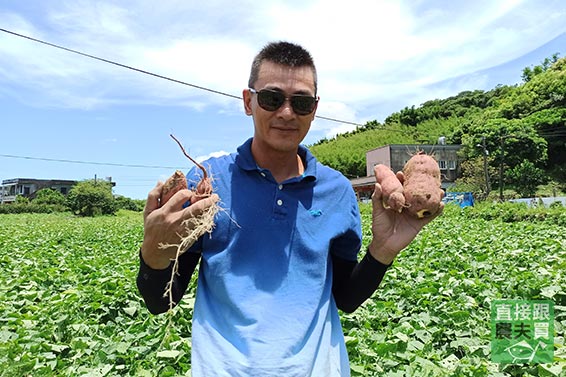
(401, 336)
(550, 291)
(169, 354)
(357, 369)
(131, 310)
(552, 370)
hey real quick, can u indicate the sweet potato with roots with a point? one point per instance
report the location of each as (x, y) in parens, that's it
(421, 186)
(194, 226)
(391, 188)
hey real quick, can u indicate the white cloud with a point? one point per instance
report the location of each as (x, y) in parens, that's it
(367, 52)
(211, 155)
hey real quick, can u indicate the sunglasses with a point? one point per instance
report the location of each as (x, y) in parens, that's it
(271, 100)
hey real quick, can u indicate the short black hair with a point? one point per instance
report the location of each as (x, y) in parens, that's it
(284, 53)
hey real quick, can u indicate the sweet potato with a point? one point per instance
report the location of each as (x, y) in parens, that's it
(421, 187)
(204, 187)
(203, 190)
(391, 188)
(174, 183)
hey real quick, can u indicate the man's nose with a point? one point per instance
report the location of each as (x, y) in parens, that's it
(286, 110)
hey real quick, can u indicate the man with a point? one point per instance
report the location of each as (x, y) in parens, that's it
(282, 257)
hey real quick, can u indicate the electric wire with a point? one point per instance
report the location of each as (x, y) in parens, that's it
(89, 162)
(120, 64)
(149, 73)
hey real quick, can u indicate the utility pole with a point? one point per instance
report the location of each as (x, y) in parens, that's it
(501, 138)
(485, 170)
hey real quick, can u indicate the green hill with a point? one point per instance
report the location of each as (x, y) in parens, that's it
(523, 127)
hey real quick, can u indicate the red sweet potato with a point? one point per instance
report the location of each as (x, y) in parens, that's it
(391, 188)
(174, 183)
(421, 187)
(203, 190)
(204, 187)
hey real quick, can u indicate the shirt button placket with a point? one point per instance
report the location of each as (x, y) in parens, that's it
(279, 210)
(279, 201)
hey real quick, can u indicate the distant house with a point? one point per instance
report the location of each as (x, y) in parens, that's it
(28, 187)
(396, 156)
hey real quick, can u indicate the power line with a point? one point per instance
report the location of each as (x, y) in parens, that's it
(90, 162)
(119, 64)
(338, 121)
(150, 73)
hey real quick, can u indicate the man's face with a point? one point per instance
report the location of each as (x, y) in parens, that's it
(281, 130)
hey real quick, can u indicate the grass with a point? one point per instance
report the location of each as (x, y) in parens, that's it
(69, 305)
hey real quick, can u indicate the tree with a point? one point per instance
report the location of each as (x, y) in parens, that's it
(529, 73)
(20, 199)
(409, 116)
(544, 90)
(49, 196)
(526, 177)
(551, 124)
(92, 198)
(508, 142)
(129, 204)
(473, 178)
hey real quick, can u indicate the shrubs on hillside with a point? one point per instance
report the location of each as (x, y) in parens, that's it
(129, 204)
(45, 201)
(86, 198)
(31, 208)
(49, 196)
(92, 198)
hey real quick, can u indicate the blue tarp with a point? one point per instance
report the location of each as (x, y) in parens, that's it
(463, 199)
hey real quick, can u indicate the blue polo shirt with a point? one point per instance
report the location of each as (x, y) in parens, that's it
(264, 304)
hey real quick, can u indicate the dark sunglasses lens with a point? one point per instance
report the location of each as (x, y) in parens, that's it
(303, 105)
(270, 100)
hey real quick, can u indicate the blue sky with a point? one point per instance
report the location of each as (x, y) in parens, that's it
(373, 58)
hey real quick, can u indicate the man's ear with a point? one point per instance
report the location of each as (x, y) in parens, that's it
(315, 108)
(247, 97)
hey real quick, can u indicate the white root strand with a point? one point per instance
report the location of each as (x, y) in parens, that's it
(195, 227)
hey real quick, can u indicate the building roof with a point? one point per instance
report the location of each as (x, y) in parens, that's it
(415, 147)
(33, 180)
(363, 181)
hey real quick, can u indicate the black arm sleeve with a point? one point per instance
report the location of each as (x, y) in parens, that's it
(354, 282)
(152, 283)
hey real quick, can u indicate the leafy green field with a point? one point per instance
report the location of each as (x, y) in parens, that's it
(69, 305)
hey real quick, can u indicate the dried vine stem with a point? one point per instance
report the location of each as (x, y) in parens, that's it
(204, 172)
(204, 187)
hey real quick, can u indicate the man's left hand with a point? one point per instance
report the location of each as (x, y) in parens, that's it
(393, 231)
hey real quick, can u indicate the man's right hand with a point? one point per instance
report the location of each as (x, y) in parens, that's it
(163, 224)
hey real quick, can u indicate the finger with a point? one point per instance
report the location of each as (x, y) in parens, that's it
(152, 202)
(400, 176)
(200, 206)
(440, 209)
(377, 197)
(179, 199)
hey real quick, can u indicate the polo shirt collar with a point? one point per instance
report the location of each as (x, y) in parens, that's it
(245, 159)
